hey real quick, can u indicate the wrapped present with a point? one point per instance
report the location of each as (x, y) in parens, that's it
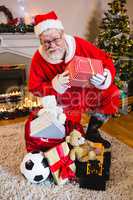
(46, 126)
(61, 166)
(81, 69)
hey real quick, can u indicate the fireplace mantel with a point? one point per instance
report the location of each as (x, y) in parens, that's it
(19, 44)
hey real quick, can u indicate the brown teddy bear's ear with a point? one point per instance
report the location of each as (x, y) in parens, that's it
(67, 139)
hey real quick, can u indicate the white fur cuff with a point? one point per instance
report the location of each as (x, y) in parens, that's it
(44, 25)
(56, 85)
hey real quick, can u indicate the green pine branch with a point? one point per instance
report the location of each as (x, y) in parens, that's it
(115, 38)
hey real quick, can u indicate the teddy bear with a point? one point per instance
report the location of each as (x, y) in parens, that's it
(83, 150)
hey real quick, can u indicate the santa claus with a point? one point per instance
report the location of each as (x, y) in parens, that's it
(48, 76)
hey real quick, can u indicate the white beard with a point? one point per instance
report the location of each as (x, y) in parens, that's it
(56, 55)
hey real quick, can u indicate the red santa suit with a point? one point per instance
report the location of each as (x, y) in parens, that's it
(43, 70)
(76, 99)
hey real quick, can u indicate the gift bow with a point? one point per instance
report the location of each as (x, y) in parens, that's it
(64, 166)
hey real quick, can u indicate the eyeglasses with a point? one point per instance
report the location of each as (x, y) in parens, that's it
(56, 41)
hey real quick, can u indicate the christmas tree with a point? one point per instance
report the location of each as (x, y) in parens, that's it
(95, 19)
(115, 38)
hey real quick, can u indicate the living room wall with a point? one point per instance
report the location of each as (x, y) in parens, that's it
(74, 14)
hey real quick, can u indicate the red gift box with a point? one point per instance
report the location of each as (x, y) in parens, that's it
(61, 166)
(81, 69)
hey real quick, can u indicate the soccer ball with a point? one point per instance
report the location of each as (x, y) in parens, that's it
(35, 167)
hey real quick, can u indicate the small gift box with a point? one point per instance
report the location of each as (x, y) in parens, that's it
(81, 69)
(61, 166)
(45, 126)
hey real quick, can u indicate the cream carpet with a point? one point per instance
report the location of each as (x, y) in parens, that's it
(13, 185)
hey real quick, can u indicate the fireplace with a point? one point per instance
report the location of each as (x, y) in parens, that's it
(15, 101)
(12, 78)
(16, 51)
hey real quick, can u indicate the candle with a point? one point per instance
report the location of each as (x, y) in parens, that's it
(27, 19)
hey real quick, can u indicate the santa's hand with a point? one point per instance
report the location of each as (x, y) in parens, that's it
(97, 80)
(102, 81)
(60, 82)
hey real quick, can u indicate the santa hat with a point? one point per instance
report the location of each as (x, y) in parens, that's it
(46, 21)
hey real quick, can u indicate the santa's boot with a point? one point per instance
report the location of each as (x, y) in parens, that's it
(93, 135)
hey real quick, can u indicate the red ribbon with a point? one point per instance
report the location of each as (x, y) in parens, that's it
(63, 165)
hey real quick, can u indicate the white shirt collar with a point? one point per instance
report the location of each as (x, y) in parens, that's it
(71, 48)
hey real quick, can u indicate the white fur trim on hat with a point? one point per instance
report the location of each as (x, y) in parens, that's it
(44, 25)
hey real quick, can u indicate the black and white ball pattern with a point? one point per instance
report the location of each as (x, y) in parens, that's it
(35, 167)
